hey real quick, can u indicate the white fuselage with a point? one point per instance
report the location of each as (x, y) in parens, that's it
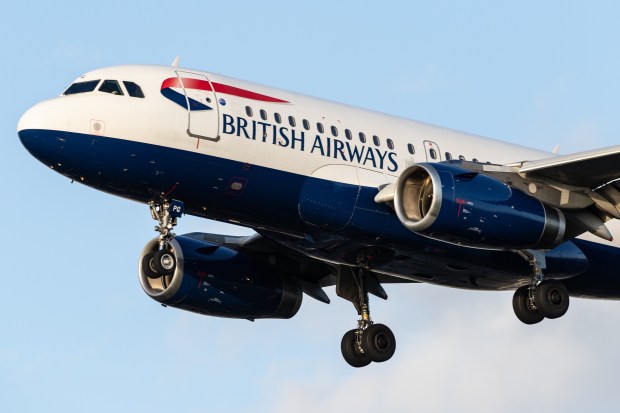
(323, 143)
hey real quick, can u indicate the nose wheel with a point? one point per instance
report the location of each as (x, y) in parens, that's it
(369, 342)
(162, 261)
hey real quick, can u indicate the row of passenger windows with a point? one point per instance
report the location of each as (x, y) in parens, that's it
(107, 86)
(348, 134)
(319, 127)
(434, 156)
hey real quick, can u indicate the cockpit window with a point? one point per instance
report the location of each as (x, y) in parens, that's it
(111, 86)
(133, 89)
(81, 87)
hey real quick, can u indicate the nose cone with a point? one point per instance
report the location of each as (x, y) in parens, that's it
(50, 114)
(40, 130)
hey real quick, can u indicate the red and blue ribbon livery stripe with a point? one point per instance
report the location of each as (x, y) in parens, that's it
(199, 84)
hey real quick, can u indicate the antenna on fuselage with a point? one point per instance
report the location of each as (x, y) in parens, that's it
(175, 62)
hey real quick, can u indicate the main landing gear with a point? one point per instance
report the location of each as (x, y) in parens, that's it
(368, 342)
(162, 261)
(541, 298)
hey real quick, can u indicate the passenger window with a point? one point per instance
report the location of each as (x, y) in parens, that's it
(334, 131)
(348, 134)
(319, 126)
(433, 153)
(133, 89)
(111, 86)
(461, 158)
(263, 114)
(475, 160)
(248, 111)
(410, 148)
(362, 137)
(306, 124)
(448, 156)
(82, 87)
(291, 121)
(277, 117)
(390, 144)
(375, 140)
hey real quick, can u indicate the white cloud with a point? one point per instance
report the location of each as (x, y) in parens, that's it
(472, 355)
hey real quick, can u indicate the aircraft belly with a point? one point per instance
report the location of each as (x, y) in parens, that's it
(437, 263)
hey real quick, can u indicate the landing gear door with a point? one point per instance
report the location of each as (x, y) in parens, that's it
(202, 106)
(433, 154)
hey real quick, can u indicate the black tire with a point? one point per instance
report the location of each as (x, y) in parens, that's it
(164, 262)
(552, 298)
(148, 265)
(522, 309)
(350, 353)
(379, 342)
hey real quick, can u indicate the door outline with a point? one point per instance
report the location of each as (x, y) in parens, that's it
(189, 112)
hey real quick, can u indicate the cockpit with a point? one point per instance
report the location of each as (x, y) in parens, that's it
(106, 86)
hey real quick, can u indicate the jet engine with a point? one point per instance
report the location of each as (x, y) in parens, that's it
(210, 279)
(456, 205)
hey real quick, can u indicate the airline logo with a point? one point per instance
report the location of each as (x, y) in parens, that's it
(303, 141)
(172, 89)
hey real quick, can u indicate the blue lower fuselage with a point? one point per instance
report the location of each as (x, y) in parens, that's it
(327, 220)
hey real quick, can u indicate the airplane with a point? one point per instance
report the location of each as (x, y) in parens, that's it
(336, 195)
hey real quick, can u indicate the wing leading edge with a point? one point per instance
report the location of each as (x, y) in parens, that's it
(591, 169)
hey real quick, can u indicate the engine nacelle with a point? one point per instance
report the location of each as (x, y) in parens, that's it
(456, 205)
(214, 280)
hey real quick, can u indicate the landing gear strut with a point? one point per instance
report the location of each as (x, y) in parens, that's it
(162, 261)
(369, 341)
(541, 298)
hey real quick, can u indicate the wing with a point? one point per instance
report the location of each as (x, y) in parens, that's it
(584, 185)
(591, 169)
(312, 273)
(586, 182)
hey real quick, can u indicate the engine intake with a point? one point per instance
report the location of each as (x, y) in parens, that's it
(214, 280)
(456, 205)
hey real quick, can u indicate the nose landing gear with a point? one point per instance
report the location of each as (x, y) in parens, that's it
(163, 261)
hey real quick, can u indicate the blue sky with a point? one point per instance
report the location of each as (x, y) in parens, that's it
(79, 334)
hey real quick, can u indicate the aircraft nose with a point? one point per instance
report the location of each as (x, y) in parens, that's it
(40, 130)
(48, 115)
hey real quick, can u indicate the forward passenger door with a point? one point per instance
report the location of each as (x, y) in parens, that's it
(202, 106)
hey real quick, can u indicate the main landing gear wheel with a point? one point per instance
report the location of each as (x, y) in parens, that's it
(351, 351)
(552, 298)
(368, 342)
(523, 308)
(542, 298)
(378, 342)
